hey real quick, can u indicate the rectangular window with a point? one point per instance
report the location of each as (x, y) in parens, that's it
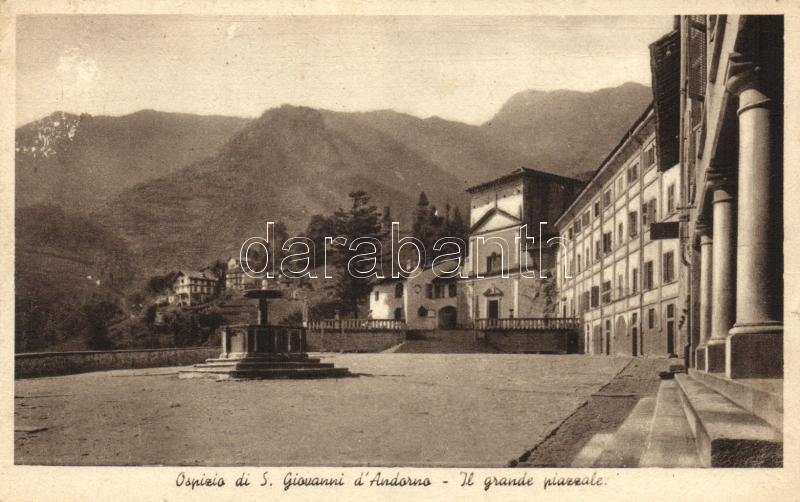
(648, 213)
(671, 198)
(578, 226)
(670, 311)
(494, 263)
(648, 276)
(651, 318)
(668, 267)
(635, 280)
(587, 218)
(429, 291)
(377, 295)
(595, 296)
(569, 233)
(607, 198)
(579, 263)
(651, 210)
(438, 291)
(607, 292)
(597, 209)
(607, 242)
(597, 250)
(633, 173)
(621, 232)
(451, 290)
(650, 156)
(633, 224)
(620, 287)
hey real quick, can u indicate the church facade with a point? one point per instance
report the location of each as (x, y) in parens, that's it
(495, 286)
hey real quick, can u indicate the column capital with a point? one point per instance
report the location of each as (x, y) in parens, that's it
(721, 179)
(745, 73)
(702, 232)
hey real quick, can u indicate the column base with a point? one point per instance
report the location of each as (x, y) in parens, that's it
(755, 351)
(715, 357)
(700, 358)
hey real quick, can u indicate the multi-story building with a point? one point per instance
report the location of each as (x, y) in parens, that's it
(730, 128)
(234, 275)
(494, 286)
(191, 288)
(620, 277)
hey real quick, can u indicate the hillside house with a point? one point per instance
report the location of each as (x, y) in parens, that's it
(192, 288)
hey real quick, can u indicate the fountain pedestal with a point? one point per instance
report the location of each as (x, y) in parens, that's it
(261, 351)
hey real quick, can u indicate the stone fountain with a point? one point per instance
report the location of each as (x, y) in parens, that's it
(261, 351)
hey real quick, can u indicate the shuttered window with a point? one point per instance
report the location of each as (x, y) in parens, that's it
(696, 48)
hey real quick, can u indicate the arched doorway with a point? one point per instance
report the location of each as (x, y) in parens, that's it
(447, 317)
(621, 342)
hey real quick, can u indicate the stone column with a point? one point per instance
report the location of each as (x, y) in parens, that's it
(723, 276)
(754, 348)
(705, 271)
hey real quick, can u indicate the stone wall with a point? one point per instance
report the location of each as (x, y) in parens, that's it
(41, 364)
(366, 341)
(550, 342)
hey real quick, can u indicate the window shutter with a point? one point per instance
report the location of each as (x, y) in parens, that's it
(697, 57)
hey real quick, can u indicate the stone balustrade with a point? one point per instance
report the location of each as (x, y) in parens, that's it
(527, 324)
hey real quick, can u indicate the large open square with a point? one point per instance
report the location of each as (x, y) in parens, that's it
(400, 409)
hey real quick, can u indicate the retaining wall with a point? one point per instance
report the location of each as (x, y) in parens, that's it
(549, 342)
(366, 341)
(39, 364)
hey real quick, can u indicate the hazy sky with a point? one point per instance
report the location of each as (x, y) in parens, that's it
(460, 68)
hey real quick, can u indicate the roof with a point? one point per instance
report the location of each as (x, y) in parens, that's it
(194, 274)
(428, 266)
(523, 172)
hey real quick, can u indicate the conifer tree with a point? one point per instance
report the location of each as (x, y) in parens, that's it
(360, 220)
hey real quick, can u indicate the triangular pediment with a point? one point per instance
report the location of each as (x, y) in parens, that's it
(494, 219)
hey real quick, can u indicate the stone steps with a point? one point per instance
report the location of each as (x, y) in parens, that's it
(592, 450)
(264, 366)
(627, 444)
(690, 423)
(670, 442)
(446, 342)
(727, 435)
(266, 373)
(271, 365)
(761, 397)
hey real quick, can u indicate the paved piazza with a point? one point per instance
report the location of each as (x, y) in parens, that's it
(403, 409)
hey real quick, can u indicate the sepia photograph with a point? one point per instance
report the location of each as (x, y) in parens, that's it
(511, 242)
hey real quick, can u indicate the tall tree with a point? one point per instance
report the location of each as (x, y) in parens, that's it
(318, 228)
(219, 268)
(360, 220)
(457, 228)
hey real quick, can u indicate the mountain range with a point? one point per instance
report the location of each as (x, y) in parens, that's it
(181, 190)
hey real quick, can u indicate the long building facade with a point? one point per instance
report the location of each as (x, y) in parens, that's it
(621, 276)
